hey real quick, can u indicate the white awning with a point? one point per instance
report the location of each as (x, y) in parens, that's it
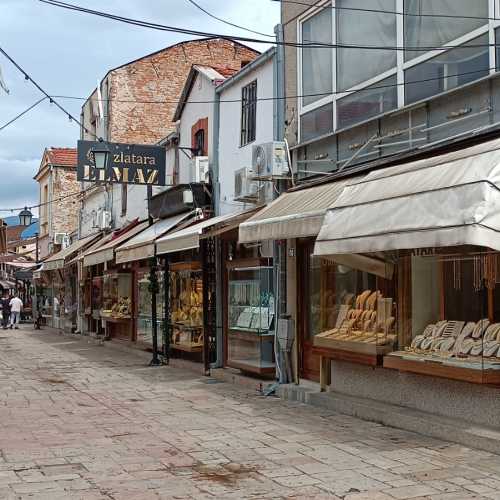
(142, 246)
(57, 260)
(106, 251)
(189, 238)
(448, 200)
(296, 214)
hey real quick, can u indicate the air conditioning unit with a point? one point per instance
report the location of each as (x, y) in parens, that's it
(66, 241)
(246, 189)
(270, 161)
(104, 219)
(59, 238)
(199, 169)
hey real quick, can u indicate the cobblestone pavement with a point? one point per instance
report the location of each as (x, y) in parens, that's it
(80, 421)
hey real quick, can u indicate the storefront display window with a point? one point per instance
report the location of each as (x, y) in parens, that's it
(186, 302)
(353, 309)
(116, 296)
(251, 318)
(96, 305)
(454, 322)
(144, 316)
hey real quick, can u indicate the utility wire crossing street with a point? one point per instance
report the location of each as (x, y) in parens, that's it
(82, 421)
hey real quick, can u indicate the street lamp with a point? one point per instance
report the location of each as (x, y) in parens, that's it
(25, 217)
(101, 153)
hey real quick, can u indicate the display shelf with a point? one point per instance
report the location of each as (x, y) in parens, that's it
(354, 347)
(406, 363)
(350, 356)
(186, 347)
(247, 366)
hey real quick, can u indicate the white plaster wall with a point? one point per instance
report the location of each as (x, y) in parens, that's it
(231, 156)
(203, 90)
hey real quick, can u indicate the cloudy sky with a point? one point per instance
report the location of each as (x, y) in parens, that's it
(67, 53)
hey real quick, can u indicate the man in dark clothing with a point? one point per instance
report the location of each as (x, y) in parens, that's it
(5, 304)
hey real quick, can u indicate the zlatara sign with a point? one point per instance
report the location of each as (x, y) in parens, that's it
(126, 164)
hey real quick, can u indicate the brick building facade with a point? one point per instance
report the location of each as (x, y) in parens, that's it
(56, 178)
(138, 101)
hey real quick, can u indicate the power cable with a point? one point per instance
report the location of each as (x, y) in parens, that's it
(47, 96)
(377, 11)
(319, 94)
(22, 113)
(309, 45)
(198, 6)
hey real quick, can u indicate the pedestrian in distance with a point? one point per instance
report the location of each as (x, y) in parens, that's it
(5, 305)
(16, 306)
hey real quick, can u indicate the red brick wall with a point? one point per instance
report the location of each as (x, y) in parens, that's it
(160, 78)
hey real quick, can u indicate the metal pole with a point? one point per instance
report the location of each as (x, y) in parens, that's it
(36, 310)
(166, 315)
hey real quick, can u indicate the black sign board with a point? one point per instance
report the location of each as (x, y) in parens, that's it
(127, 163)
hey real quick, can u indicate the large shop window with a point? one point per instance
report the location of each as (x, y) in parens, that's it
(453, 323)
(251, 319)
(351, 309)
(317, 61)
(144, 311)
(426, 26)
(317, 122)
(448, 70)
(372, 29)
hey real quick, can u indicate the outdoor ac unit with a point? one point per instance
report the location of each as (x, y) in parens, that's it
(270, 160)
(199, 169)
(59, 238)
(104, 219)
(246, 189)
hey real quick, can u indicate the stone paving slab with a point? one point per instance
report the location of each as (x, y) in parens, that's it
(79, 421)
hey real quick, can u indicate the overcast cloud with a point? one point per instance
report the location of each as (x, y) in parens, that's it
(68, 52)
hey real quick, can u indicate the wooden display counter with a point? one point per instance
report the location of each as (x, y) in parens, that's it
(436, 368)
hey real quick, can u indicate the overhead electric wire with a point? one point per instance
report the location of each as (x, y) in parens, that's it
(198, 6)
(22, 113)
(328, 5)
(309, 45)
(276, 98)
(47, 96)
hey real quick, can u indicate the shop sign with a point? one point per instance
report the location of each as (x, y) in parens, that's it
(126, 164)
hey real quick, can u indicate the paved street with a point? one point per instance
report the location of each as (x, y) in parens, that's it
(81, 421)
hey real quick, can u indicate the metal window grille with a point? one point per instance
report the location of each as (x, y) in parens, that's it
(248, 112)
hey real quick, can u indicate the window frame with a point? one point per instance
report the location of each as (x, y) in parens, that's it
(248, 113)
(401, 66)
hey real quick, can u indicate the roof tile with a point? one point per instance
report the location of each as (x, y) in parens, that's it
(64, 157)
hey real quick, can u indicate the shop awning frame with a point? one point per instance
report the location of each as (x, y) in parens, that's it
(142, 245)
(295, 214)
(449, 200)
(189, 237)
(58, 260)
(106, 251)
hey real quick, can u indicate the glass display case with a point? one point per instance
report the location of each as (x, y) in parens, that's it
(116, 296)
(352, 307)
(251, 318)
(186, 307)
(453, 330)
(96, 298)
(144, 316)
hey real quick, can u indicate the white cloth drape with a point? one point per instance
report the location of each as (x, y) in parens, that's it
(364, 28)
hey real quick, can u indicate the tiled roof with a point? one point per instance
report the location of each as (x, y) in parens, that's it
(64, 157)
(225, 71)
(14, 233)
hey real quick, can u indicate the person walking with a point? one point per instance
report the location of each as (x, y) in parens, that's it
(5, 305)
(16, 306)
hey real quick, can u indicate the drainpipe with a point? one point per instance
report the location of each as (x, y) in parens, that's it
(280, 247)
(219, 265)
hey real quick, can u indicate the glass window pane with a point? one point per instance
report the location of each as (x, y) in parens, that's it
(367, 103)
(317, 62)
(497, 41)
(355, 66)
(447, 71)
(428, 31)
(317, 122)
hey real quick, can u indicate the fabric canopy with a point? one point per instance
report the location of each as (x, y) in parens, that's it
(447, 200)
(189, 238)
(106, 251)
(57, 260)
(296, 214)
(142, 246)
